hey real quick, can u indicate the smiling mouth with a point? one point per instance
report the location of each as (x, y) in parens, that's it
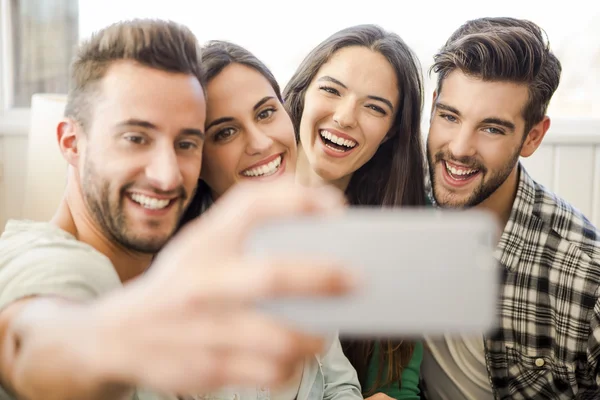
(336, 143)
(459, 173)
(265, 169)
(151, 203)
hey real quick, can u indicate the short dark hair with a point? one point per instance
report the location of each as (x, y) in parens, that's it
(163, 45)
(504, 49)
(218, 54)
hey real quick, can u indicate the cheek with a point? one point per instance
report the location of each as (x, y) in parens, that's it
(282, 131)
(221, 160)
(497, 151)
(436, 138)
(495, 160)
(306, 128)
(122, 168)
(374, 130)
(316, 108)
(190, 170)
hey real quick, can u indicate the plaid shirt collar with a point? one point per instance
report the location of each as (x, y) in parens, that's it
(508, 251)
(520, 224)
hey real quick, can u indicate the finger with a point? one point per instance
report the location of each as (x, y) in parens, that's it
(237, 348)
(252, 279)
(246, 206)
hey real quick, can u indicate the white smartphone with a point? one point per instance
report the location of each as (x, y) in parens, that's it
(422, 271)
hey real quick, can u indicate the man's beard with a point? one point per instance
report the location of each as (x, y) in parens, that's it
(109, 214)
(486, 188)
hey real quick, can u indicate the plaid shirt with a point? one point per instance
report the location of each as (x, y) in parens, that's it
(547, 345)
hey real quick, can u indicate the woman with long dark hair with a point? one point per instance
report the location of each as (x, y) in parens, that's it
(356, 102)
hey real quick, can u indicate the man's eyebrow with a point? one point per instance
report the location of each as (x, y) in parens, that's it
(446, 107)
(136, 122)
(149, 125)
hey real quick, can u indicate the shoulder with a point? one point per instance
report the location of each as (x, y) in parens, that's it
(46, 261)
(567, 223)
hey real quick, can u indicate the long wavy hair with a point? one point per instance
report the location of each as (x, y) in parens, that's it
(393, 177)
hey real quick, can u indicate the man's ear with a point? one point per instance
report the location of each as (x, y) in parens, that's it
(68, 133)
(534, 137)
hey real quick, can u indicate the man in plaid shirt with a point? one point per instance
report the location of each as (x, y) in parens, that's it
(496, 77)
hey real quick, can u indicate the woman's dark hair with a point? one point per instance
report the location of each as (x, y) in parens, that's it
(216, 55)
(394, 176)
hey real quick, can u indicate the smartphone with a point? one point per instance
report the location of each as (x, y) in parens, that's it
(421, 271)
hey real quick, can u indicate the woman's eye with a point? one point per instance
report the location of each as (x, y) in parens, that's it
(330, 90)
(265, 113)
(224, 134)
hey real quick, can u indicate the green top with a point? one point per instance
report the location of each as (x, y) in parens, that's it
(410, 376)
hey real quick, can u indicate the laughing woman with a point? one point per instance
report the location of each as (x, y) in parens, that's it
(250, 137)
(356, 103)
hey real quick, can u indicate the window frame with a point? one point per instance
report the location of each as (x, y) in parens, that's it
(6, 55)
(13, 120)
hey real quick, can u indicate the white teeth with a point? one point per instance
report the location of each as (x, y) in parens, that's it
(150, 202)
(264, 170)
(456, 171)
(338, 140)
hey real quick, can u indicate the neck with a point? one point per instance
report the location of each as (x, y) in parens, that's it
(73, 217)
(500, 203)
(307, 176)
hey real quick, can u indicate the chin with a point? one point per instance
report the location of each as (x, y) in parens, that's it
(329, 174)
(448, 200)
(147, 246)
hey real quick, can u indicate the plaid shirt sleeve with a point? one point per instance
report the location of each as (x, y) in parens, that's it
(593, 352)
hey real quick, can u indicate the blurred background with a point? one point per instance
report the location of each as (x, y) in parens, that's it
(37, 40)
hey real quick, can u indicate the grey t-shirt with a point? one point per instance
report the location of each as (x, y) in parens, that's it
(454, 367)
(38, 258)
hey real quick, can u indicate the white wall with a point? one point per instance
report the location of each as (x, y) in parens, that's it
(568, 163)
